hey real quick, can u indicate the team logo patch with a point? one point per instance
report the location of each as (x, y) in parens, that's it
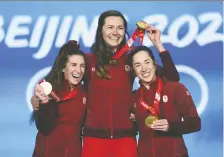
(127, 67)
(84, 100)
(165, 98)
(93, 69)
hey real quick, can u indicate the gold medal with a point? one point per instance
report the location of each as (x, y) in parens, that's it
(142, 25)
(149, 120)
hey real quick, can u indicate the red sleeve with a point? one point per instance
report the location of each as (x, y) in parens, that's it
(168, 70)
(46, 117)
(133, 100)
(187, 110)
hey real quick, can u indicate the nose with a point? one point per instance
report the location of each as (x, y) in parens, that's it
(144, 68)
(78, 70)
(114, 31)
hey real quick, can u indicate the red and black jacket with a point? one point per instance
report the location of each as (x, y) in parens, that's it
(176, 103)
(109, 101)
(60, 125)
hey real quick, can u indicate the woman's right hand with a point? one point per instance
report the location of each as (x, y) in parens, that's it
(35, 103)
(39, 93)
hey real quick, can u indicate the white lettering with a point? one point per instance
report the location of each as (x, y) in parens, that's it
(2, 32)
(63, 31)
(210, 34)
(37, 32)
(191, 34)
(49, 37)
(16, 30)
(81, 30)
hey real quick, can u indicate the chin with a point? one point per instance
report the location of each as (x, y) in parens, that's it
(147, 80)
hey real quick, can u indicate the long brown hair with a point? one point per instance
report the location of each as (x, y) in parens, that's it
(56, 75)
(102, 51)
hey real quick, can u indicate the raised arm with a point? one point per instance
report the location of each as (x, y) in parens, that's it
(168, 70)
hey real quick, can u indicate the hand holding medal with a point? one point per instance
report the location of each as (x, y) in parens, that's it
(47, 89)
(40, 95)
(139, 32)
(160, 125)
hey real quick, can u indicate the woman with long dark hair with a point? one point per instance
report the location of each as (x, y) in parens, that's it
(59, 123)
(108, 130)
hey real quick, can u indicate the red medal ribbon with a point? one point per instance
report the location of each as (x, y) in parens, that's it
(127, 47)
(155, 109)
(68, 96)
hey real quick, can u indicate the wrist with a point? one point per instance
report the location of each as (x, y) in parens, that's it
(160, 48)
(44, 101)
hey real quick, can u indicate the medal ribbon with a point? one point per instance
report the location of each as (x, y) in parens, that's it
(68, 96)
(155, 109)
(127, 47)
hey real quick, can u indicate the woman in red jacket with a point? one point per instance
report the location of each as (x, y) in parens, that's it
(108, 131)
(59, 123)
(164, 110)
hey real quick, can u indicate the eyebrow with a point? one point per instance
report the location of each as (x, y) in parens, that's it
(136, 63)
(147, 60)
(113, 25)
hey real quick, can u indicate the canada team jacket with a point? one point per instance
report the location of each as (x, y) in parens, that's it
(176, 103)
(59, 125)
(109, 101)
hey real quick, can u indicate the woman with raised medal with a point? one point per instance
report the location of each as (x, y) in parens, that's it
(159, 107)
(108, 130)
(62, 107)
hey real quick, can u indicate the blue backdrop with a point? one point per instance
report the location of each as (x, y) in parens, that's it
(32, 32)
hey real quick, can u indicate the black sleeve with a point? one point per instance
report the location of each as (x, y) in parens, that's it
(168, 70)
(46, 117)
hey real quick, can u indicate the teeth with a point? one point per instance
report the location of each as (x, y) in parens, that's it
(114, 38)
(145, 74)
(75, 76)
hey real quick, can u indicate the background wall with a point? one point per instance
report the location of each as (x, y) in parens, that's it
(32, 32)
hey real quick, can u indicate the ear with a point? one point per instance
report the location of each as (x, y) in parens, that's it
(63, 70)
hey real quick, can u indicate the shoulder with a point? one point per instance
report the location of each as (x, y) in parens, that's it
(174, 86)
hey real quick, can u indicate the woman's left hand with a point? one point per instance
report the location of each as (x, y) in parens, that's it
(154, 35)
(160, 125)
(132, 117)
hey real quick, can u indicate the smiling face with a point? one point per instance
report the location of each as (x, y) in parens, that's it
(144, 67)
(74, 69)
(113, 31)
